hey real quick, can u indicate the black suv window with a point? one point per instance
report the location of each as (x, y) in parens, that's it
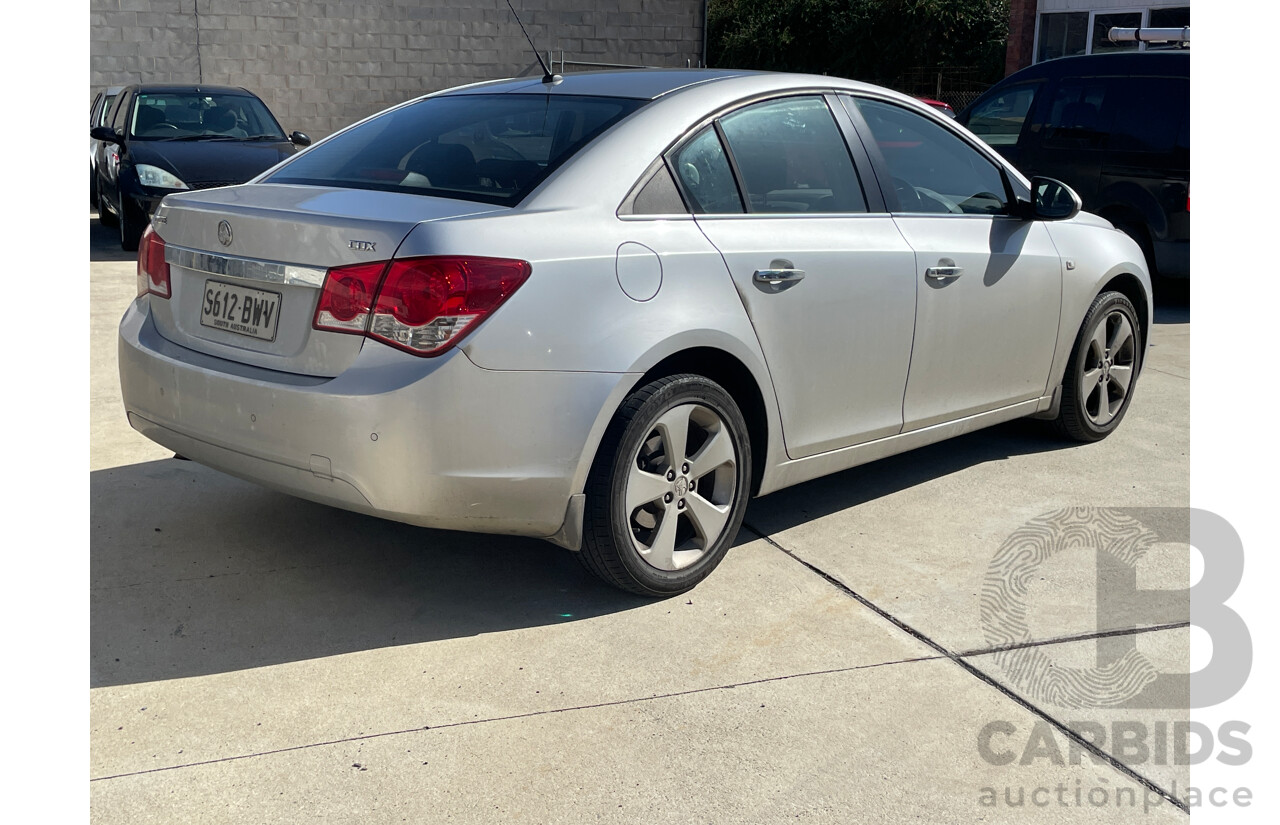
(1155, 115)
(792, 157)
(998, 120)
(1076, 115)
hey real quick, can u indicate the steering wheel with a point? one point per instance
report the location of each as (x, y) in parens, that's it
(946, 203)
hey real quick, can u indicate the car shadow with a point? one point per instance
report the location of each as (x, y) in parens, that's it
(104, 242)
(849, 488)
(196, 573)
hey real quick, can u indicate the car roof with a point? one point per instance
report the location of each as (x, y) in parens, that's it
(650, 84)
(1172, 62)
(201, 88)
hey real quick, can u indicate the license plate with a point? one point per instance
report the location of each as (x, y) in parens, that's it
(239, 309)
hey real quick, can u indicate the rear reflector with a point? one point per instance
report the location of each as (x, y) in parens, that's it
(153, 269)
(421, 305)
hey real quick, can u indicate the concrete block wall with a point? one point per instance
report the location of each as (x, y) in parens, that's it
(322, 64)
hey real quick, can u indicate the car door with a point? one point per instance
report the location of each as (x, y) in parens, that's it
(825, 275)
(1070, 144)
(109, 153)
(988, 283)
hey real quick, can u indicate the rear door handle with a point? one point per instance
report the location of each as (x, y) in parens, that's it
(779, 272)
(944, 271)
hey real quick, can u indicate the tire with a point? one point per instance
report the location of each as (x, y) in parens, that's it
(132, 223)
(657, 525)
(1103, 370)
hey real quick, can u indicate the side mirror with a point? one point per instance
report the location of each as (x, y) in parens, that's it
(1053, 200)
(104, 133)
(299, 139)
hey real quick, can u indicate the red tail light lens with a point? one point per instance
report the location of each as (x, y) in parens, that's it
(348, 297)
(421, 305)
(153, 269)
(427, 304)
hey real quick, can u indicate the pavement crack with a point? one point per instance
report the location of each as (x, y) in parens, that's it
(1080, 637)
(958, 659)
(516, 716)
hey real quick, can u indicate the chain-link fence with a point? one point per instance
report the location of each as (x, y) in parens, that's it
(957, 86)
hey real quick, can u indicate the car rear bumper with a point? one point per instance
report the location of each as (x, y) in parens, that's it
(434, 442)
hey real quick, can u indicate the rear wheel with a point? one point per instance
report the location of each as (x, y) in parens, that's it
(669, 487)
(1099, 382)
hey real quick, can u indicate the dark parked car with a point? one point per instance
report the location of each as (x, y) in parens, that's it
(98, 117)
(1116, 129)
(160, 139)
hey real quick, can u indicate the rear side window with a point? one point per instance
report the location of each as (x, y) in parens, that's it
(705, 176)
(792, 157)
(998, 120)
(1076, 114)
(1155, 116)
(488, 148)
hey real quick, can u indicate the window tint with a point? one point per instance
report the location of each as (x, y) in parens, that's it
(122, 105)
(191, 115)
(933, 170)
(705, 175)
(488, 148)
(1155, 116)
(998, 120)
(1075, 116)
(1062, 34)
(792, 157)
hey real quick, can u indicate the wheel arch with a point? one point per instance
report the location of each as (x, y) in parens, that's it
(1128, 285)
(737, 379)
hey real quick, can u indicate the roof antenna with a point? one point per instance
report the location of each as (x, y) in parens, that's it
(547, 76)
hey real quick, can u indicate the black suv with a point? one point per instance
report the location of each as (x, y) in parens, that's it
(1114, 127)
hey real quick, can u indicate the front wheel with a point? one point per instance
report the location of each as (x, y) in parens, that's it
(1099, 382)
(669, 487)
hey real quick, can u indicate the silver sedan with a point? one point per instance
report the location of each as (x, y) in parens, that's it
(606, 309)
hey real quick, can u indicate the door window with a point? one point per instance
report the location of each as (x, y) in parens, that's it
(933, 170)
(792, 158)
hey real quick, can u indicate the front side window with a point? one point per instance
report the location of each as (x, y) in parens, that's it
(491, 148)
(792, 157)
(998, 120)
(933, 170)
(704, 173)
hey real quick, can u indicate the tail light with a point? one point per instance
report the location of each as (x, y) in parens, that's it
(153, 269)
(420, 305)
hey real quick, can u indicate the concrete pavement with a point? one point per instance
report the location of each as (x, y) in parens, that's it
(258, 658)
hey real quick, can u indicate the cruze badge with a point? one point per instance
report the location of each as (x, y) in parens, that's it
(363, 246)
(224, 233)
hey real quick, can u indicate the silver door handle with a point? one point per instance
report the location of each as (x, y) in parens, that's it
(944, 271)
(779, 272)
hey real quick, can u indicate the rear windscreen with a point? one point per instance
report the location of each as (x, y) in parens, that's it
(490, 148)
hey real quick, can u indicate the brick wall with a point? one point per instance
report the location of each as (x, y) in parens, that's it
(322, 64)
(1022, 33)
